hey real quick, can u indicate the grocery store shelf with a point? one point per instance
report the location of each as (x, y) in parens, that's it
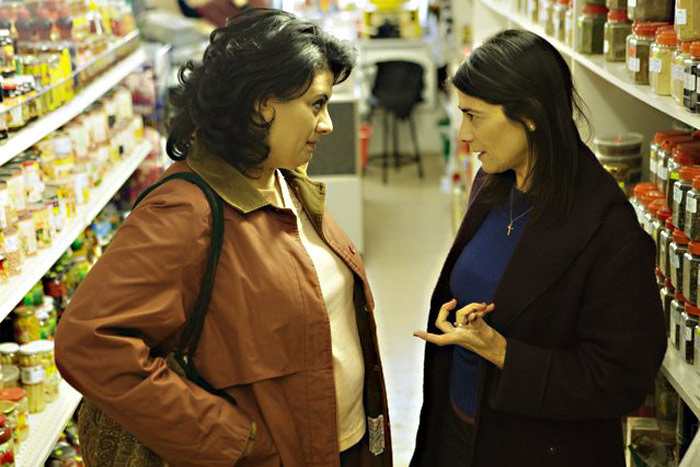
(34, 132)
(45, 428)
(34, 268)
(683, 378)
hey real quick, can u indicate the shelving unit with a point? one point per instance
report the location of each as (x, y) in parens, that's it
(35, 268)
(34, 132)
(46, 427)
(616, 105)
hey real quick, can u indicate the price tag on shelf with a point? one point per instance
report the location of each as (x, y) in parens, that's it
(681, 16)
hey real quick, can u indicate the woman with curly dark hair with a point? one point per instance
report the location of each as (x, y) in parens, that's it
(279, 346)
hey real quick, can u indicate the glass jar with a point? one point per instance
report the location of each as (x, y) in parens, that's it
(680, 191)
(14, 256)
(32, 374)
(545, 16)
(7, 448)
(18, 396)
(677, 309)
(569, 25)
(616, 4)
(8, 410)
(690, 74)
(636, 198)
(591, 29)
(26, 325)
(665, 156)
(617, 28)
(661, 62)
(621, 155)
(15, 186)
(27, 233)
(667, 296)
(638, 50)
(689, 320)
(532, 10)
(655, 148)
(687, 20)
(681, 54)
(650, 216)
(696, 364)
(684, 155)
(678, 248)
(647, 200)
(10, 376)
(692, 216)
(663, 233)
(8, 353)
(691, 263)
(5, 211)
(559, 14)
(650, 10)
(52, 379)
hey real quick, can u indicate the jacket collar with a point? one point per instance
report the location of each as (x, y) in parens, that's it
(543, 252)
(236, 190)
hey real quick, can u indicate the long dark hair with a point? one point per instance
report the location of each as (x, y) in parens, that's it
(526, 75)
(259, 54)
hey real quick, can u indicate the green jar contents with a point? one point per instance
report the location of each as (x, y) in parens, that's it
(667, 295)
(684, 155)
(691, 263)
(677, 309)
(681, 54)
(655, 148)
(617, 28)
(591, 29)
(650, 10)
(665, 157)
(689, 320)
(687, 19)
(678, 248)
(661, 62)
(665, 240)
(638, 51)
(692, 216)
(680, 191)
(559, 20)
(690, 78)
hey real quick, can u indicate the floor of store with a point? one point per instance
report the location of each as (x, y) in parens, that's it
(408, 231)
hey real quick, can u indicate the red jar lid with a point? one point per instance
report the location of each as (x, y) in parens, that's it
(664, 214)
(656, 205)
(695, 49)
(593, 9)
(670, 287)
(641, 188)
(679, 296)
(650, 196)
(13, 394)
(696, 183)
(618, 15)
(659, 136)
(669, 224)
(647, 28)
(687, 153)
(692, 309)
(680, 237)
(672, 141)
(694, 248)
(689, 173)
(667, 38)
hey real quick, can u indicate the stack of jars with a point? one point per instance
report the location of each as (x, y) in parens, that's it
(656, 148)
(664, 159)
(591, 29)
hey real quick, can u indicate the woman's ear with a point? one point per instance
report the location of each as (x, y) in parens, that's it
(265, 109)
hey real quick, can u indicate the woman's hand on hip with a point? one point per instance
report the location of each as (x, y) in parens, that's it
(469, 331)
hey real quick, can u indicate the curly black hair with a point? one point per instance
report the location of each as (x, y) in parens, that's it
(259, 54)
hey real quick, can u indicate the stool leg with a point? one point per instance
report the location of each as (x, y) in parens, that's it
(397, 157)
(418, 159)
(385, 154)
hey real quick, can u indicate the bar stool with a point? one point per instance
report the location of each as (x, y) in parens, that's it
(397, 90)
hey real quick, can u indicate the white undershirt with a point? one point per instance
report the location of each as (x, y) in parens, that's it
(337, 283)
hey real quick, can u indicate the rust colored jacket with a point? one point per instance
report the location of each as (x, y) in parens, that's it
(266, 338)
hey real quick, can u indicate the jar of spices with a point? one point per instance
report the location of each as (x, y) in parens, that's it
(692, 216)
(638, 50)
(690, 74)
(650, 216)
(681, 54)
(569, 25)
(677, 309)
(5, 211)
(560, 9)
(650, 10)
(655, 148)
(689, 320)
(8, 353)
(533, 7)
(52, 379)
(667, 296)
(661, 62)
(678, 248)
(687, 20)
(19, 397)
(691, 263)
(636, 198)
(660, 225)
(665, 156)
(617, 28)
(27, 233)
(680, 191)
(591, 29)
(32, 375)
(14, 255)
(647, 199)
(684, 155)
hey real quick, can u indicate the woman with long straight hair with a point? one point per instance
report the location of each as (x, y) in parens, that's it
(545, 325)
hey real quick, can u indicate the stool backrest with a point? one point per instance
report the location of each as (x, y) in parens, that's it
(398, 86)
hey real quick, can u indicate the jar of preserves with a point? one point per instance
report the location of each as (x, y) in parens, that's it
(9, 411)
(690, 75)
(52, 379)
(14, 256)
(681, 54)
(661, 62)
(689, 320)
(691, 263)
(680, 191)
(677, 309)
(638, 51)
(8, 353)
(678, 248)
(617, 28)
(560, 9)
(18, 396)
(667, 296)
(26, 325)
(7, 448)
(687, 20)
(591, 29)
(32, 375)
(650, 10)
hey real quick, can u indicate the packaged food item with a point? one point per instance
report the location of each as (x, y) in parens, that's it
(621, 155)
(667, 295)
(691, 263)
(546, 16)
(52, 379)
(18, 396)
(27, 233)
(617, 28)
(689, 320)
(678, 248)
(14, 255)
(569, 25)
(638, 51)
(661, 62)
(677, 309)
(26, 325)
(650, 10)
(650, 215)
(665, 157)
(638, 191)
(680, 191)
(32, 375)
(7, 449)
(8, 353)
(692, 216)
(10, 376)
(690, 76)
(681, 54)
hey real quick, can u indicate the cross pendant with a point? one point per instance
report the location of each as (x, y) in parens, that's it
(510, 228)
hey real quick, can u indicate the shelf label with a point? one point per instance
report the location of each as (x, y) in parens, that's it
(691, 204)
(681, 16)
(32, 374)
(635, 64)
(655, 65)
(688, 81)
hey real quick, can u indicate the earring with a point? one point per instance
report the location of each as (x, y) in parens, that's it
(531, 126)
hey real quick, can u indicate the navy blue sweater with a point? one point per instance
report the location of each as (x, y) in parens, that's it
(474, 279)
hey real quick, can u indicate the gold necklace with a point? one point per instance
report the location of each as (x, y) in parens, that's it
(512, 221)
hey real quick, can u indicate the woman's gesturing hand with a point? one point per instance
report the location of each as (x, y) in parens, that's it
(469, 331)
